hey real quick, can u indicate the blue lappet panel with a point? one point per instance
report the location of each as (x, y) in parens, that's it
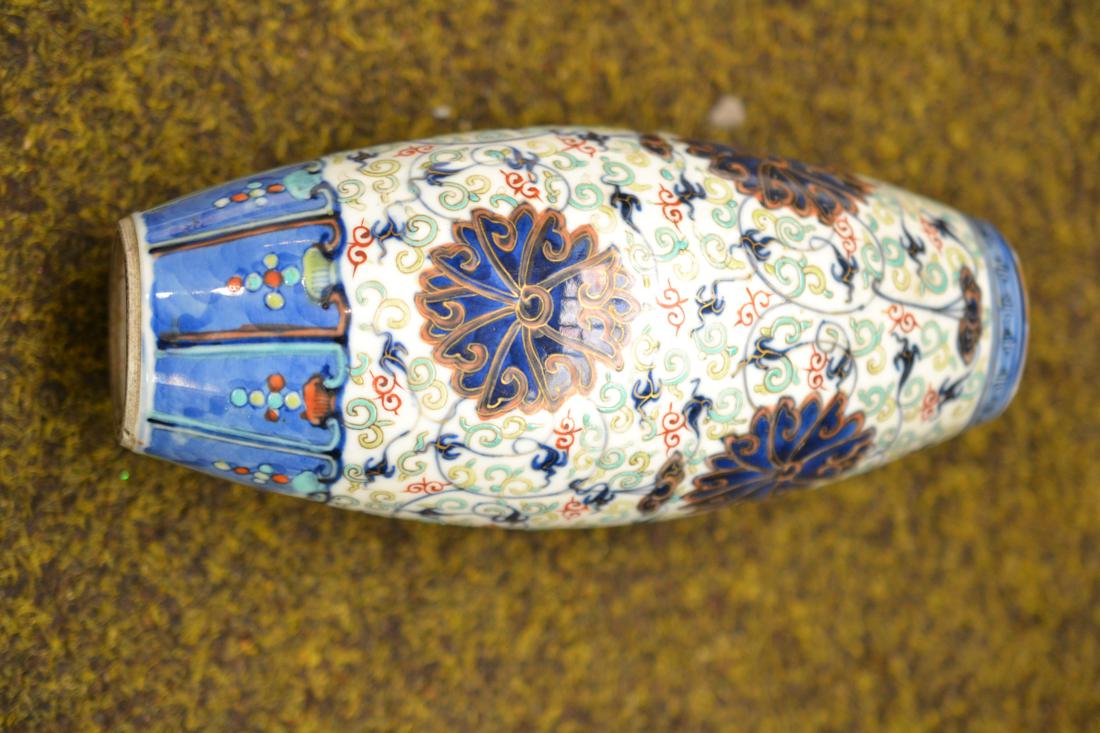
(252, 391)
(262, 466)
(292, 192)
(249, 322)
(252, 285)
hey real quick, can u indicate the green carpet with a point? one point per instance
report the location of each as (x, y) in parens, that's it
(958, 588)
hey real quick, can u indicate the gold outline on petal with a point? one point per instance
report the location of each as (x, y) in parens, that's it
(711, 489)
(603, 298)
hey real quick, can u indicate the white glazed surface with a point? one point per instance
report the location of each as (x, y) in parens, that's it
(671, 254)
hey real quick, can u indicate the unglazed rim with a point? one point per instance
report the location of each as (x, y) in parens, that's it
(125, 334)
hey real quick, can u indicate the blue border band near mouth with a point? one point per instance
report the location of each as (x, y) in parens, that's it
(1009, 324)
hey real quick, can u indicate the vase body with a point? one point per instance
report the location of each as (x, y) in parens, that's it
(557, 327)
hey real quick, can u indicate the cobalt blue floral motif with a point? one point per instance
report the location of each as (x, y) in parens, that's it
(787, 447)
(776, 182)
(522, 309)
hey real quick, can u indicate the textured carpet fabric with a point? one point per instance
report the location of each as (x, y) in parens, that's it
(958, 588)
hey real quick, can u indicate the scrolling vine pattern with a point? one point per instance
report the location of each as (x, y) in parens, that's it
(580, 327)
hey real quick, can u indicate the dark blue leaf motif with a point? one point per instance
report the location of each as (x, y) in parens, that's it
(840, 367)
(787, 447)
(627, 204)
(686, 192)
(362, 156)
(942, 226)
(393, 356)
(448, 446)
(599, 498)
(949, 391)
(436, 173)
(595, 137)
(596, 496)
(695, 407)
(518, 161)
(904, 360)
(645, 391)
(914, 247)
(511, 516)
(763, 352)
(377, 468)
(709, 303)
(756, 244)
(844, 271)
(548, 460)
(387, 228)
(384, 230)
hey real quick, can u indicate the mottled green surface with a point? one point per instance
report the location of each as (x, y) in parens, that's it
(957, 588)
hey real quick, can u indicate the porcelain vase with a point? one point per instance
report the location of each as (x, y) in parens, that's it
(556, 327)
